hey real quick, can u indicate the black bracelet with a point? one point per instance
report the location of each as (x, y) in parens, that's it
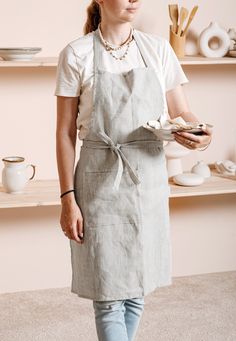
(71, 190)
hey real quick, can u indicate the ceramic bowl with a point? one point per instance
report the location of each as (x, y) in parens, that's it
(18, 53)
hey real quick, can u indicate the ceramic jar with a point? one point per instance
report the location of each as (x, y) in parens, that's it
(202, 169)
(14, 174)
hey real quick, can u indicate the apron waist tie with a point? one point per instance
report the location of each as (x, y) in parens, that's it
(122, 159)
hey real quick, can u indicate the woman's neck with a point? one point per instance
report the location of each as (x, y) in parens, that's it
(115, 34)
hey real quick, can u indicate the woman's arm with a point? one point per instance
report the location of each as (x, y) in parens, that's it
(178, 106)
(71, 217)
(67, 109)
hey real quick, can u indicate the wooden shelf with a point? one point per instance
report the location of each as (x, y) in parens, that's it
(199, 60)
(36, 193)
(47, 193)
(215, 185)
(52, 61)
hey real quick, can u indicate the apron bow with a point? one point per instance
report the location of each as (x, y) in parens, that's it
(116, 148)
(107, 142)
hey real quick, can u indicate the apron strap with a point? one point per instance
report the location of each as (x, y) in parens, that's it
(141, 48)
(96, 50)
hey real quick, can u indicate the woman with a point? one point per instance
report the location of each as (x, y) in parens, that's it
(115, 207)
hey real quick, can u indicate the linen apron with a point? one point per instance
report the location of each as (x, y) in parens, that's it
(121, 186)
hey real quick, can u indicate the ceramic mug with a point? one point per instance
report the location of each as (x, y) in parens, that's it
(14, 174)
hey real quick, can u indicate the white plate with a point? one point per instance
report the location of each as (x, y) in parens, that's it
(18, 53)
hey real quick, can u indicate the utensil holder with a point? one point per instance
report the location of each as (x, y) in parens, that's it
(178, 43)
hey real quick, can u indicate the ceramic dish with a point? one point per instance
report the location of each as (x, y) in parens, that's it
(188, 179)
(167, 134)
(18, 53)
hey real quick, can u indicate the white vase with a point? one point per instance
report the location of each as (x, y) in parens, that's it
(174, 152)
(214, 41)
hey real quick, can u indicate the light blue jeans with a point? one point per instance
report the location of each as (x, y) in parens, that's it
(118, 320)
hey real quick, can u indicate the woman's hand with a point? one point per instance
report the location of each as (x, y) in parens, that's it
(193, 141)
(178, 106)
(71, 220)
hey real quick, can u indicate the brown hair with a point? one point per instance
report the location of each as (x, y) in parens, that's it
(93, 17)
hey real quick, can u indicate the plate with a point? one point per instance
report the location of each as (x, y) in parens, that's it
(167, 134)
(18, 53)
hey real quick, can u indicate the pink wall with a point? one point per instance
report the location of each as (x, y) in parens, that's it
(28, 115)
(26, 95)
(51, 24)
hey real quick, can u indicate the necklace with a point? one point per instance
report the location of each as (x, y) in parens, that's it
(110, 48)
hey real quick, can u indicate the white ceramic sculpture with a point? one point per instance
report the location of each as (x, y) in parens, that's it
(226, 167)
(202, 169)
(214, 41)
(174, 152)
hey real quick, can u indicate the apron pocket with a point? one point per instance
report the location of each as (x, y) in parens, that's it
(104, 206)
(117, 257)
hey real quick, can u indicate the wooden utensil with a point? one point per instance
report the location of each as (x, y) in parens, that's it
(183, 16)
(192, 14)
(174, 16)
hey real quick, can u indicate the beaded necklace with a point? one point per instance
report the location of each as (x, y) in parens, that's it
(111, 49)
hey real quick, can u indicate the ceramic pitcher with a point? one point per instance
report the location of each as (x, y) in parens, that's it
(14, 174)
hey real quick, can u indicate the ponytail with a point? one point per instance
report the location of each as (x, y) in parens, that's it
(93, 17)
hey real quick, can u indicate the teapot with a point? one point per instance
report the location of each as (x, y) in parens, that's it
(14, 174)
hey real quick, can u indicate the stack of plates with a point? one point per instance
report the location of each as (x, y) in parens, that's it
(232, 53)
(18, 53)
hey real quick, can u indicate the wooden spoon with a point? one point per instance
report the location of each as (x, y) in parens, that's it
(192, 14)
(183, 16)
(174, 16)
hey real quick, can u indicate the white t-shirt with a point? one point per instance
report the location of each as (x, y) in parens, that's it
(75, 70)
